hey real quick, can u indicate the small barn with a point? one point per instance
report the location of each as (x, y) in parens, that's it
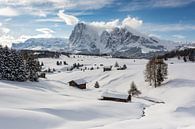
(115, 96)
(79, 83)
(107, 68)
(121, 68)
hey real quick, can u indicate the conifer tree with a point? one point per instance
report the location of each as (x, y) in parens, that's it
(12, 66)
(184, 59)
(133, 90)
(116, 64)
(97, 84)
(156, 72)
(124, 66)
(32, 66)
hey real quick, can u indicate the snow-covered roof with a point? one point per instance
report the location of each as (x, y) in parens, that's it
(108, 67)
(114, 94)
(80, 81)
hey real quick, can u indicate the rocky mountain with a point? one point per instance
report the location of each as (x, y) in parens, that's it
(84, 39)
(118, 42)
(88, 39)
(43, 44)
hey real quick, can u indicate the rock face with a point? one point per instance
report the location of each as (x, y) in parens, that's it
(87, 39)
(43, 44)
(119, 41)
(84, 39)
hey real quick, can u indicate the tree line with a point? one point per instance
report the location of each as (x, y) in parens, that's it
(187, 54)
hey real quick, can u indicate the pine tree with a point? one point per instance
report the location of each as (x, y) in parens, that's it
(124, 66)
(18, 69)
(65, 63)
(133, 90)
(156, 72)
(184, 59)
(42, 64)
(1, 62)
(12, 66)
(149, 72)
(57, 63)
(97, 84)
(32, 66)
(191, 56)
(116, 64)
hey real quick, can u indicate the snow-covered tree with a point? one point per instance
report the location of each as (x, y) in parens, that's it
(12, 66)
(116, 64)
(32, 66)
(124, 66)
(133, 90)
(97, 84)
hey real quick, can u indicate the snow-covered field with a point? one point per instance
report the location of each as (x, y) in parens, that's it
(52, 104)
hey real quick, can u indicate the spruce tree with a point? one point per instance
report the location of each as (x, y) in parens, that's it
(124, 66)
(12, 66)
(18, 67)
(133, 90)
(116, 64)
(97, 84)
(184, 59)
(32, 66)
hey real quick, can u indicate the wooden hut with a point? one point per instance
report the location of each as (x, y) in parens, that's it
(107, 68)
(115, 96)
(79, 83)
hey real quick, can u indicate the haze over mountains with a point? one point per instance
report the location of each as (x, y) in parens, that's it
(87, 39)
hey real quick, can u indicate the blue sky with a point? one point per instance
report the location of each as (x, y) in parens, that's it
(165, 19)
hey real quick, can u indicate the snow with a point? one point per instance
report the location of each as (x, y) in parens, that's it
(114, 94)
(80, 81)
(54, 44)
(52, 104)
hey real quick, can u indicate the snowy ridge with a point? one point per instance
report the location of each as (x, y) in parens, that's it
(87, 39)
(118, 41)
(43, 44)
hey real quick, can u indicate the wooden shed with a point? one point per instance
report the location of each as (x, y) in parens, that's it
(107, 68)
(79, 83)
(115, 96)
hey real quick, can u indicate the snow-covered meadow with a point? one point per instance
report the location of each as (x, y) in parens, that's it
(52, 104)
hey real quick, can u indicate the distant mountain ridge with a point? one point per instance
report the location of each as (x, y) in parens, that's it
(87, 39)
(43, 44)
(119, 42)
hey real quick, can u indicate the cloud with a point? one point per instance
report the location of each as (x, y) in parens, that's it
(49, 20)
(6, 40)
(68, 19)
(45, 30)
(44, 7)
(140, 5)
(155, 35)
(126, 22)
(45, 33)
(3, 30)
(167, 27)
(132, 22)
(8, 12)
(8, 19)
(177, 36)
(90, 4)
(105, 25)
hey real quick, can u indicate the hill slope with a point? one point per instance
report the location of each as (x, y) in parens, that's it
(52, 104)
